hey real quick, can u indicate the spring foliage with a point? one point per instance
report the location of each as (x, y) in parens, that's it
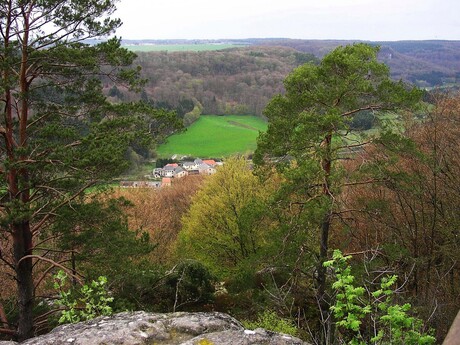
(269, 320)
(224, 228)
(373, 317)
(85, 304)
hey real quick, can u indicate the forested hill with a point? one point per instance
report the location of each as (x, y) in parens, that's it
(241, 80)
(231, 81)
(427, 63)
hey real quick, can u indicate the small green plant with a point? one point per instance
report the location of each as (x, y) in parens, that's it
(269, 320)
(85, 304)
(390, 323)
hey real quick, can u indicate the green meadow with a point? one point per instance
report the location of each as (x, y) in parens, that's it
(216, 136)
(179, 47)
(222, 136)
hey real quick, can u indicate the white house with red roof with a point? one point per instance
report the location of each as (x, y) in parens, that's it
(210, 162)
(198, 166)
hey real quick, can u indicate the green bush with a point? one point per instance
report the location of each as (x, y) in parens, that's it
(363, 120)
(269, 320)
(85, 304)
(390, 323)
(193, 115)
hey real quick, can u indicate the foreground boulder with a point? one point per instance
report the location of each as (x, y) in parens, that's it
(149, 328)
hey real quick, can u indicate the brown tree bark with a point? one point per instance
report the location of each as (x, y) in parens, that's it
(18, 190)
(322, 298)
(23, 246)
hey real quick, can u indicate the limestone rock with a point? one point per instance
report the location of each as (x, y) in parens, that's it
(161, 329)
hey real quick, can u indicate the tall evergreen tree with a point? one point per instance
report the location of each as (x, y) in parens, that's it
(59, 135)
(310, 125)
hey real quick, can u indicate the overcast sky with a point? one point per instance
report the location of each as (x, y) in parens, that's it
(308, 19)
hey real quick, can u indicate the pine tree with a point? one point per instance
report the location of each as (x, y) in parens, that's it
(59, 135)
(310, 129)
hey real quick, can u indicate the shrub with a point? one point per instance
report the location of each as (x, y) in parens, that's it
(89, 302)
(390, 322)
(269, 320)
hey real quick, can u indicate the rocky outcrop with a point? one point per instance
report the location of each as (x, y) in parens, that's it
(149, 328)
(453, 337)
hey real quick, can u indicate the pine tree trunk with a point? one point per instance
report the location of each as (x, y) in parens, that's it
(22, 247)
(22, 232)
(323, 300)
(326, 223)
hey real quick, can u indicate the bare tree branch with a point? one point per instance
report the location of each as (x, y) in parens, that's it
(39, 257)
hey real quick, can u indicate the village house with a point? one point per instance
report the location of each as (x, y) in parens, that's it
(205, 169)
(179, 172)
(168, 171)
(190, 166)
(166, 182)
(210, 162)
(157, 172)
(197, 167)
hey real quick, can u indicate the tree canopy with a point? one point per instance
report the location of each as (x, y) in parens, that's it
(309, 133)
(224, 228)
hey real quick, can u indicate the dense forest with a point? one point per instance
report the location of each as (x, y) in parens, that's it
(243, 80)
(233, 81)
(342, 229)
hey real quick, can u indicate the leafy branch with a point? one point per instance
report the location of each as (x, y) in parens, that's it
(390, 323)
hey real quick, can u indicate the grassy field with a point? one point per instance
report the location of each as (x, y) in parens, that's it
(179, 47)
(216, 136)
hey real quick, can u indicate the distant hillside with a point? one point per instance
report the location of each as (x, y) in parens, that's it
(193, 47)
(441, 53)
(241, 80)
(426, 63)
(231, 81)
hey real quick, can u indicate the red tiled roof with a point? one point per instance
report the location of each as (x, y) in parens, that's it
(172, 165)
(210, 162)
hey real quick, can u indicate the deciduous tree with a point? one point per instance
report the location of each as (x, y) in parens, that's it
(224, 228)
(412, 218)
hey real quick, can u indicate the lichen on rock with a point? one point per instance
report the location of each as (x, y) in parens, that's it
(138, 328)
